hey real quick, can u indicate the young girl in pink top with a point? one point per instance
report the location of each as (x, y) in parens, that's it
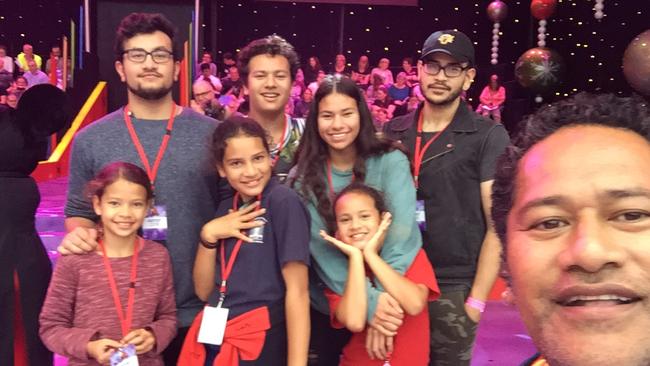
(123, 293)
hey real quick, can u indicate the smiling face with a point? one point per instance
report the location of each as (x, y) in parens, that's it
(269, 84)
(357, 218)
(579, 246)
(148, 80)
(122, 207)
(338, 122)
(246, 165)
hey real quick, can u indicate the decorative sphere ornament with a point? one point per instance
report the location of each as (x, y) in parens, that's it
(497, 11)
(540, 69)
(495, 37)
(539, 99)
(494, 61)
(542, 9)
(636, 63)
(599, 15)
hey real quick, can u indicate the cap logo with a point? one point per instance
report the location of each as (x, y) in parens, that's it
(446, 38)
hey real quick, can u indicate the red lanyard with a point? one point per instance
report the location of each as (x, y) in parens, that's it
(420, 151)
(226, 269)
(285, 136)
(151, 172)
(329, 180)
(125, 322)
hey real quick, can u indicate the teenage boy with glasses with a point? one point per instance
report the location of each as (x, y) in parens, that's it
(185, 184)
(454, 152)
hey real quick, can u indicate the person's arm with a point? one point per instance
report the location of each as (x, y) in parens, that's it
(227, 226)
(56, 319)
(289, 221)
(500, 96)
(490, 255)
(79, 221)
(164, 325)
(390, 110)
(412, 297)
(351, 310)
(297, 312)
(489, 260)
(485, 96)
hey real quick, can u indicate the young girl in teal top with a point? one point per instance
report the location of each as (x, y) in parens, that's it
(339, 145)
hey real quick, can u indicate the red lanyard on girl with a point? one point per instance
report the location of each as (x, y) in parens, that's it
(226, 269)
(285, 136)
(329, 180)
(420, 151)
(125, 322)
(151, 172)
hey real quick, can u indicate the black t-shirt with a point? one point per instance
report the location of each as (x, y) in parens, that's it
(347, 71)
(453, 168)
(256, 279)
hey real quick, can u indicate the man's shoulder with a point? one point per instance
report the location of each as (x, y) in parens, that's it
(105, 124)
(199, 120)
(400, 124)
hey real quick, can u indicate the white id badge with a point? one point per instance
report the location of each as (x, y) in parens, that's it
(420, 214)
(155, 224)
(124, 356)
(213, 325)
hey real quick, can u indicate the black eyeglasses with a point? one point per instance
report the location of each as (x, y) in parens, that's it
(450, 70)
(138, 55)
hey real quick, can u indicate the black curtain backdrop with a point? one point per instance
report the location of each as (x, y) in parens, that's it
(592, 49)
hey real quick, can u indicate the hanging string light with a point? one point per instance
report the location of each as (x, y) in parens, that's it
(497, 12)
(598, 9)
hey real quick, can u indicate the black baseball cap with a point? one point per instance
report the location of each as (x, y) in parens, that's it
(454, 43)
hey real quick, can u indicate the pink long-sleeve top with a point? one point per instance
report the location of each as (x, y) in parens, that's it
(79, 306)
(493, 98)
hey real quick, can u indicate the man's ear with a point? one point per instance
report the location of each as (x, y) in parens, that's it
(177, 69)
(469, 78)
(119, 67)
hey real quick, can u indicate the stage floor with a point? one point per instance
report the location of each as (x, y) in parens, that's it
(501, 339)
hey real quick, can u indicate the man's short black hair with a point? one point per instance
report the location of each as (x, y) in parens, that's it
(272, 45)
(204, 66)
(228, 56)
(630, 113)
(142, 23)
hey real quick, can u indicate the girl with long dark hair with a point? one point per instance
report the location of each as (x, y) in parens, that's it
(339, 146)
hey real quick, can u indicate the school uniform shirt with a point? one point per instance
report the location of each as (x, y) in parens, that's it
(411, 344)
(256, 278)
(79, 306)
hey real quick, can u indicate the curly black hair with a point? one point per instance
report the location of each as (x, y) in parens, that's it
(143, 23)
(629, 113)
(271, 45)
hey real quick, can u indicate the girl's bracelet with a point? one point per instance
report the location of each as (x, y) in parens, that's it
(207, 244)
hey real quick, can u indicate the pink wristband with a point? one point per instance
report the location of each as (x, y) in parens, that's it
(476, 304)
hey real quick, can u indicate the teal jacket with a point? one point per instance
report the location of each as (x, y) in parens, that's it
(389, 173)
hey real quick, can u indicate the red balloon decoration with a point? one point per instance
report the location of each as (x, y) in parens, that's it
(497, 11)
(636, 63)
(542, 9)
(540, 69)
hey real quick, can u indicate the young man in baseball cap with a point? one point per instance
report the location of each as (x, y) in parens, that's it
(453, 153)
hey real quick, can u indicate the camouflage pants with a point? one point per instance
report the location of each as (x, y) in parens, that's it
(452, 332)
